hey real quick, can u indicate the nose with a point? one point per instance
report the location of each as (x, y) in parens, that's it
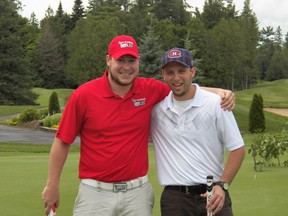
(176, 76)
(126, 65)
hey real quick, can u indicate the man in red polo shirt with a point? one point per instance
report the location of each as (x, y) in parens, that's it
(112, 116)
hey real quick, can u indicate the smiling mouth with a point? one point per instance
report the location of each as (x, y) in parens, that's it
(177, 84)
(125, 73)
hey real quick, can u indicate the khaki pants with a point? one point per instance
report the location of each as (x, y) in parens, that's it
(92, 201)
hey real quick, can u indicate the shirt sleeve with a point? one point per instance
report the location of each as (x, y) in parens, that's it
(71, 120)
(228, 130)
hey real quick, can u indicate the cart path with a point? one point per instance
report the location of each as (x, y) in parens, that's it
(26, 135)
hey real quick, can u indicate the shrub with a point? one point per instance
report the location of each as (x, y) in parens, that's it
(43, 113)
(256, 115)
(54, 106)
(52, 121)
(268, 147)
(28, 115)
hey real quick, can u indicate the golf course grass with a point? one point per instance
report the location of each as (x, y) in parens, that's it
(23, 176)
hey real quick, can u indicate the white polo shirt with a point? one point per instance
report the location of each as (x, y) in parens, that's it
(191, 146)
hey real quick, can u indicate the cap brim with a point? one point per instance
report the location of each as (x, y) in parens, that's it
(184, 64)
(117, 55)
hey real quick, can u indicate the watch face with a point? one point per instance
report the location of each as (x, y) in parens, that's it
(225, 186)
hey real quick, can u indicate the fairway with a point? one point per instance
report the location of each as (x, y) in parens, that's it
(23, 176)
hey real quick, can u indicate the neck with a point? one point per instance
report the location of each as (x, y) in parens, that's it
(187, 96)
(120, 90)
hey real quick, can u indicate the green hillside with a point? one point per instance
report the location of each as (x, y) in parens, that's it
(274, 95)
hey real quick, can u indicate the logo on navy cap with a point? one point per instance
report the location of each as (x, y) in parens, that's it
(174, 54)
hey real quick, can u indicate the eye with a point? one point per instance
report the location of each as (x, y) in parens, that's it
(132, 60)
(169, 73)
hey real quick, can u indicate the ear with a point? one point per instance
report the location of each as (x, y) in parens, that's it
(163, 75)
(193, 71)
(108, 60)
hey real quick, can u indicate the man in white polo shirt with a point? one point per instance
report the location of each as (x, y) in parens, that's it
(190, 133)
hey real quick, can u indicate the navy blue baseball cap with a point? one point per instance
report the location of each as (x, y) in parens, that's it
(180, 55)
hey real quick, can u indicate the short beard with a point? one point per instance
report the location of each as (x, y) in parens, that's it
(118, 82)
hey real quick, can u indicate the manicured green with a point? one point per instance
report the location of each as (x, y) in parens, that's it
(24, 170)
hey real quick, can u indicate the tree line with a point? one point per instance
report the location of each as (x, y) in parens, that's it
(65, 50)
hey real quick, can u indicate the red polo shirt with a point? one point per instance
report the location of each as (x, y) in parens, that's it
(114, 131)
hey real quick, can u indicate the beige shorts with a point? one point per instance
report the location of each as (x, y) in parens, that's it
(95, 201)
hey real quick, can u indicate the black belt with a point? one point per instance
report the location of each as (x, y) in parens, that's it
(195, 189)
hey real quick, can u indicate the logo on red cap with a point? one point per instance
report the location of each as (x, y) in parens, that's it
(124, 44)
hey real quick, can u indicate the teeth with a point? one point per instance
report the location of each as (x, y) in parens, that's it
(123, 73)
(177, 85)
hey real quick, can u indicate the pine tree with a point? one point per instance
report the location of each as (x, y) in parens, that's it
(51, 66)
(256, 115)
(15, 78)
(77, 12)
(54, 106)
(173, 10)
(150, 53)
(249, 25)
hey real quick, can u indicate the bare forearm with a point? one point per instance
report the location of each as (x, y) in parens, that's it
(227, 97)
(210, 89)
(58, 156)
(233, 164)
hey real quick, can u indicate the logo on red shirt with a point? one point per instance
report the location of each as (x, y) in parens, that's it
(139, 102)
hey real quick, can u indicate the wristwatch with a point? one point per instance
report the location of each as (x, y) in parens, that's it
(223, 185)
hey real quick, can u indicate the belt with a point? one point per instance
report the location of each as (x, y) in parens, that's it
(116, 186)
(195, 189)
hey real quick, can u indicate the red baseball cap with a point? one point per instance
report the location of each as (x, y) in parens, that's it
(123, 45)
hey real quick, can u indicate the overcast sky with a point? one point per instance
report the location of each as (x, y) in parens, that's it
(269, 12)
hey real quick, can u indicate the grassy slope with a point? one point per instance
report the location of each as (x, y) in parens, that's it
(274, 95)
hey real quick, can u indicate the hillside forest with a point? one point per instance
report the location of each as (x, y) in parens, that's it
(66, 50)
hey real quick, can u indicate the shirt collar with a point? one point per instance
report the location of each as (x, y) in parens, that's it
(196, 102)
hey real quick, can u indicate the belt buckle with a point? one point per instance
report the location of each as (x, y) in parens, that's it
(120, 187)
(187, 190)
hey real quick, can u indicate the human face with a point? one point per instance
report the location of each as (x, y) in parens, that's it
(124, 70)
(179, 79)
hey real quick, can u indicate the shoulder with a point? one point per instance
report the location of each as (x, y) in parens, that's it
(207, 96)
(154, 88)
(87, 88)
(150, 82)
